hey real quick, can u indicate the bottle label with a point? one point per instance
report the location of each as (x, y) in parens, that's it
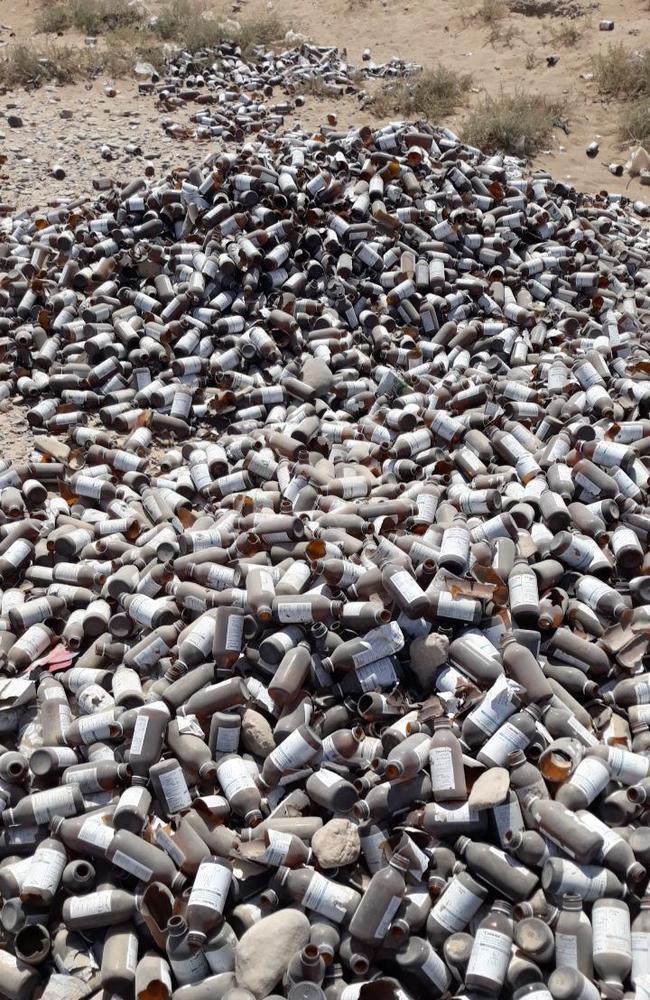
(132, 866)
(292, 752)
(56, 801)
(130, 799)
(234, 777)
(495, 708)
(91, 905)
(131, 956)
(379, 674)
(590, 590)
(640, 954)
(507, 816)
(490, 955)
(456, 907)
(455, 542)
(373, 853)
(175, 790)
(139, 733)
(442, 769)
(407, 586)
(391, 909)
(278, 846)
(566, 950)
(642, 693)
(17, 552)
(610, 837)
(523, 589)
(456, 607)
(234, 632)
(611, 930)
(582, 883)
(46, 869)
(299, 612)
(329, 778)
(504, 741)
(379, 643)
(590, 776)
(211, 886)
(96, 833)
(454, 814)
(191, 969)
(227, 739)
(327, 898)
(435, 970)
(627, 767)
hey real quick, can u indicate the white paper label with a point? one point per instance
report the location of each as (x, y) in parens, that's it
(139, 733)
(234, 776)
(227, 739)
(456, 607)
(504, 741)
(292, 752)
(407, 586)
(456, 907)
(590, 776)
(442, 769)
(522, 589)
(278, 845)
(566, 950)
(175, 790)
(96, 833)
(611, 930)
(132, 866)
(490, 955)
(392, 907)
(640, 954)
(54, 802)
(234, 632)
(627, 767)
(298, 612)
(46, 869)
(92, 904)
(211, 886)
(327, 898)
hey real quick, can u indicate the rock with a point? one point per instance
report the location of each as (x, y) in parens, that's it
(490, 789)
(336, 844)
(265, 950)
(144, 70)
(14, 121)
(256, 734)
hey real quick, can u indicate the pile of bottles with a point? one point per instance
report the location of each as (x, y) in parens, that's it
(325, 593)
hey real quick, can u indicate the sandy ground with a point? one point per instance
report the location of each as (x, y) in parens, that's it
(72, 125)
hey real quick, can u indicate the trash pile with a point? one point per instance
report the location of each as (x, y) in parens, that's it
(325, 608)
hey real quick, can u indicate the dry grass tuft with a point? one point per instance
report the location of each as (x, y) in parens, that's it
(635, 123)
(432, 94)
(619, 72)
(512, 123)
(93, 17)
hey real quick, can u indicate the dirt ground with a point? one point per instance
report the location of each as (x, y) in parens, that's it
(71, 125)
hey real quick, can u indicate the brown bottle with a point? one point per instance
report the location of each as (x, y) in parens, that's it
(446, 764)
(380, 902)
(490, 958)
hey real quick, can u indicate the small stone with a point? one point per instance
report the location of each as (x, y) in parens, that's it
(14, 121)
(336, 844)
(490, 789)
(265, 950)
(256, 734)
